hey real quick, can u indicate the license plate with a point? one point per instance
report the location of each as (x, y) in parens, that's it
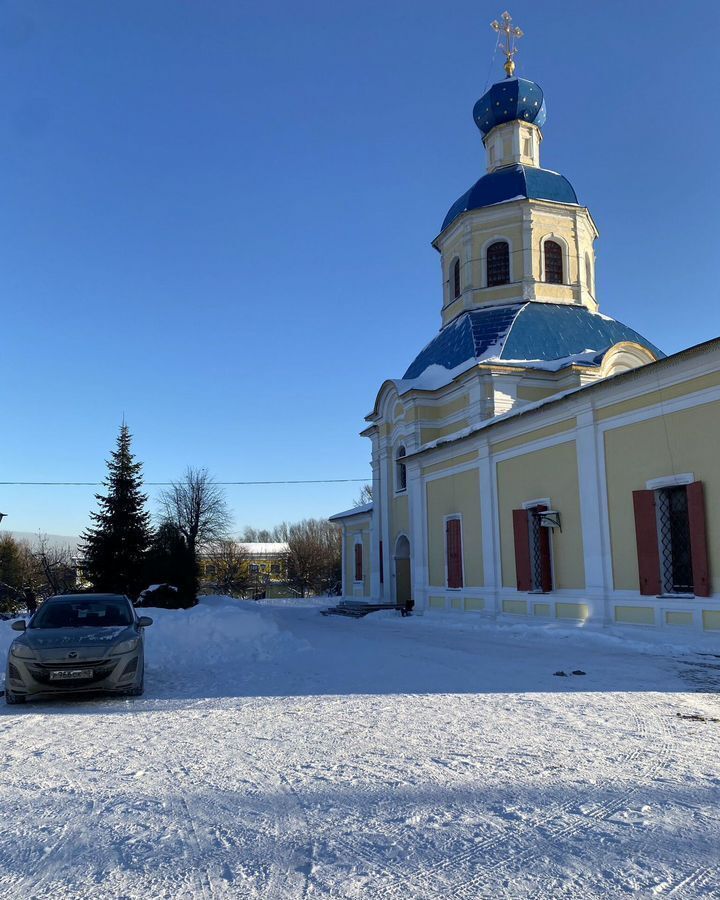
(70, 674)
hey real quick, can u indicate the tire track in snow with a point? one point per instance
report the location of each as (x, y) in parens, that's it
(46, 866)
(600, 813)
(290, 821)
(513, 840)
(696, 879)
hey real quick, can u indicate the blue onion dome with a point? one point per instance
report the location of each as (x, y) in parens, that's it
(533, 334)
(514, 98)
(512, 183)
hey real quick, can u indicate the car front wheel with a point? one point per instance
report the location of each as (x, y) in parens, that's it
(11, 699)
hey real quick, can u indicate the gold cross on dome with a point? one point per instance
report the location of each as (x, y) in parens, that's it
(512, 33)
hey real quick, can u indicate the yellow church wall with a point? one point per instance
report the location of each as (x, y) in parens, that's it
(576, 611)
(635, 615)
(711, 620)
(400, 518)
(651, 398)
(450, 463)
(536, 435)
(551, 472)
(679, 618)
(432, 434)
(474, 604)
(685, 441)
(515, 607)
(439, 412)
(454, 494)
(532, 393)
(363, 529)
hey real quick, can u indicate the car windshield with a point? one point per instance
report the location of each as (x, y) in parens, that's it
(83, 613)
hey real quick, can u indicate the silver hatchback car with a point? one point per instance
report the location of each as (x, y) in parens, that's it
(78, 643)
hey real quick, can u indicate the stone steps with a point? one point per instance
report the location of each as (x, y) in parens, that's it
(355, 610)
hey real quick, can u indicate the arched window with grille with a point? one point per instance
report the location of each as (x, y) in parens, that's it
(553, 262)
(498, 263)
(401, 471)
(456, 279)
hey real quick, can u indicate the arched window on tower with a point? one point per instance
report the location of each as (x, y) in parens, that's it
(498, 263)
(401, 471)
(588, 274)
(456, 279)
(553, 262)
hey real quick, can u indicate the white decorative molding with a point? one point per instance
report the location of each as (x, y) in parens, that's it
(669, 481)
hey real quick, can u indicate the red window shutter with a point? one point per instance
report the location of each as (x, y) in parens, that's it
(521, 532)
(698, 539)
(453, 544)
(647, 542)
(546, 584)
(358, 562)
(382, 566)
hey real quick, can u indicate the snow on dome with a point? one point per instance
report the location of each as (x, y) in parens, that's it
(512, 183)
(533, 334)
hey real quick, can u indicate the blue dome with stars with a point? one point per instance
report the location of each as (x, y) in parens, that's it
(514, 98)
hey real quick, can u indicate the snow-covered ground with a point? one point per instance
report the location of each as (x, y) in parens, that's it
(281, 754)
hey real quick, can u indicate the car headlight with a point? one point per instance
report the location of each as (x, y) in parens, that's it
(125, 646)
(22, 651)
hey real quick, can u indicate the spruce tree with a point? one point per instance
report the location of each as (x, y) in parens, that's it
(115, 545)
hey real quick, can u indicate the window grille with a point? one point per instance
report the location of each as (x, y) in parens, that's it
(553, 263)
(674, 540)
(453, 552)
(536, 557)
(498, 263)
(456, 279)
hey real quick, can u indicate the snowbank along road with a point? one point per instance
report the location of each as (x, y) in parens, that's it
(280, 754)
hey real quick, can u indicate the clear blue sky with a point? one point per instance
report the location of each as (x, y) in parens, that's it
(216, 217)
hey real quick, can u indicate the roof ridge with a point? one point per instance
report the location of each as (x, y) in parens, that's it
(523, 307)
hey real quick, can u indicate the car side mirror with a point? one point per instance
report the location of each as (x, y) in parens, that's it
(18, 625)
(144, 621)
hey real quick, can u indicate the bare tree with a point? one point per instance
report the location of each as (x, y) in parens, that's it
(231, 561)
(252, 535)
(365, 495)
(53, 565)
(196, 505)
(314, 553)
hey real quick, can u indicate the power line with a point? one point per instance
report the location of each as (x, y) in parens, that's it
(169, 483)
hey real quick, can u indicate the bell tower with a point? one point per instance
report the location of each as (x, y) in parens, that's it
(519, 233)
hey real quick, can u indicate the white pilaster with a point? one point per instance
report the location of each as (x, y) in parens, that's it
(345, 591)
(527, 255)
(375, 528)
(384, 521)
(490, 528)
(594, 549)
(418, 536)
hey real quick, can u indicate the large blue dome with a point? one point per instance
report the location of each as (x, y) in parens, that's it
(514, 98)
(512, 183)
(549, 335)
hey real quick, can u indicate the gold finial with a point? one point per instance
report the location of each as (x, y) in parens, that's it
(511, 32)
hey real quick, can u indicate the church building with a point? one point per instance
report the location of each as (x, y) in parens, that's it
(539, 460)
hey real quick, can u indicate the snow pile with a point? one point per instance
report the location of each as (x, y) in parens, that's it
(218, 631)
(7, 636)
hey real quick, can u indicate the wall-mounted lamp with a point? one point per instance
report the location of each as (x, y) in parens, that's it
(549, 518)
